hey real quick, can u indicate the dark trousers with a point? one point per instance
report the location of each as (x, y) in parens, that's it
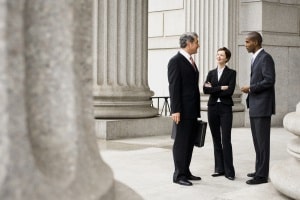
(183, 148)
(220, 123)
(260, 128)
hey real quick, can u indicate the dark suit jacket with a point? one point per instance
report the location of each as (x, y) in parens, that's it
(183, 87)
(261, 98)
(228, 78)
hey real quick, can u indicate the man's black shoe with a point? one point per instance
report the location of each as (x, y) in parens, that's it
(257, 180)
(194, 178)
(183, 182)
(251, 174)
(218, 174)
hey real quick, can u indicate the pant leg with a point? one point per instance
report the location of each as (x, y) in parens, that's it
(262, 131)
(214, 125)
(255, 143)
(226, 126)
(183, 148)
(193, 125)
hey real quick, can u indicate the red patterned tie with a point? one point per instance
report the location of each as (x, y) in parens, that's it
(193, 63)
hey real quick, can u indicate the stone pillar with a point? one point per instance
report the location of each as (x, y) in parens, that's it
(48, 148)
(285, 175)
(120, 70)
(215, 22)
(121, 92)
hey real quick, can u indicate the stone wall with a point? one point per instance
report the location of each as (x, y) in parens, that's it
(278, 21)
(166, 22)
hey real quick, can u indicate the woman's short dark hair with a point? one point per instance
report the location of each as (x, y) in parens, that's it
(187, 37)
(227, 52)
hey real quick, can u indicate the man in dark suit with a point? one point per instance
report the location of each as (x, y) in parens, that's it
(220, 84)
(183, 77)
(261, 104)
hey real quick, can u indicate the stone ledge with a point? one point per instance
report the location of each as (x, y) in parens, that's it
(129, 128)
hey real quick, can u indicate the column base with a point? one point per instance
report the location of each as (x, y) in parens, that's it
(285, 177)
(128, 128)
(123, 192)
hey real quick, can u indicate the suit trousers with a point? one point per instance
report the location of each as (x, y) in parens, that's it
(183, 148)
(260, 128)
(220, 123)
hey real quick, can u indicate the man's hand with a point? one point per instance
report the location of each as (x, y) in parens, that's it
(245, 89)
(176, 117)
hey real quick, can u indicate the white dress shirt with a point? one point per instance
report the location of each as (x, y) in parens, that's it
(220, 72)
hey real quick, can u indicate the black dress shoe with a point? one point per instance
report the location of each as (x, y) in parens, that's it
(257, 180)
(251, 174)
(194, 178)
(183, 182)
(230, 177)
(218, 174)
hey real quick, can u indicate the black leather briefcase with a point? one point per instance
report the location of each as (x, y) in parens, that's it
(200, 135)
(201, 132)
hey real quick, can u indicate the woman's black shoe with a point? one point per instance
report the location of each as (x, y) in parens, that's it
(218, 174)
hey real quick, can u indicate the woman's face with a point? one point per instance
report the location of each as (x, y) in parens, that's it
(221, 57)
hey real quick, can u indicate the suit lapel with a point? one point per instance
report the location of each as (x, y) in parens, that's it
(257, 58)
(224, 74)
(188, 62)
(214, 78)
(253, 66)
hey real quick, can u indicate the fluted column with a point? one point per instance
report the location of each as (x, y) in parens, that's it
(214, 21)
(285, 175)
(48, 148)
(209, 18)
(120, 70)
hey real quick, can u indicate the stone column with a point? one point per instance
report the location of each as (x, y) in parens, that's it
(121, 92)
(120, 70)
(285, 175)
(48, 148)
(215, 22)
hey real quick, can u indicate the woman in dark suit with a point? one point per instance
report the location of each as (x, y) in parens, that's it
(220, 84)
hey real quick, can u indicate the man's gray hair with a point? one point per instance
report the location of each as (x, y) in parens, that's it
(187, 37)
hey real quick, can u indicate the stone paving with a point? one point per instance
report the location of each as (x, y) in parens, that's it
(146, 165)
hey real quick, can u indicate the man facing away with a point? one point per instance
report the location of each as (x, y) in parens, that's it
(183, 77)
(261, 104)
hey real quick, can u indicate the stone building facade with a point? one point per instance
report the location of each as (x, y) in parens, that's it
(48, 79)
(225, 23)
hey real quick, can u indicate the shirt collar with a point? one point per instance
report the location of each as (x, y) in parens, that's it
(185, 54)
(256, 53)
(220, 69)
